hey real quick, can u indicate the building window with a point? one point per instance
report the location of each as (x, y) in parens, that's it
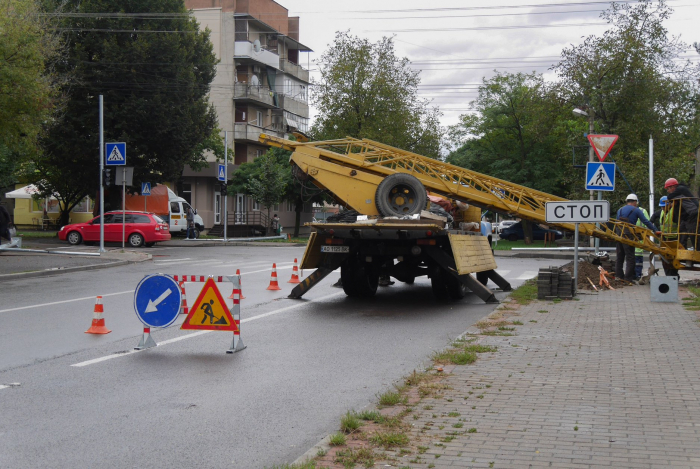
(290, 206)
(85, 206)
(187, 192)
(259, 119)
(287, 86)
(302, 93)
(256, 205)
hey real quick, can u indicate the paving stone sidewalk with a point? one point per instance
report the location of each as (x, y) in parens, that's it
(610, 380)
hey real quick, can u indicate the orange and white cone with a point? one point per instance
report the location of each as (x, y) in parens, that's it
(98, 322)
(295, 273)
(273, 279)
(241, 297)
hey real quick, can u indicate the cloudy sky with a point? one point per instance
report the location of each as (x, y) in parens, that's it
(456, 43)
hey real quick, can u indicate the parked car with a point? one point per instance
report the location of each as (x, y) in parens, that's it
(515, 232)
(141, 229)
(504, 224)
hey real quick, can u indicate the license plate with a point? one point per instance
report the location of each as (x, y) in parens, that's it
(335, 249)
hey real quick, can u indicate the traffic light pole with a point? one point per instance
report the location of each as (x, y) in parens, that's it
(225, 182)
(102, 188)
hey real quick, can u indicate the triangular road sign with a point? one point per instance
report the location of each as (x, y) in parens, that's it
(600, 178)
(209, 311)
(115, 155)
(602, 144)
(222, 176)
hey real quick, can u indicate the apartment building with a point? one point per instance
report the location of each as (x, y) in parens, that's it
(261, 86)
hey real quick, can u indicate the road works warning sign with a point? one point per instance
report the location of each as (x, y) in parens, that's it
(209, 311)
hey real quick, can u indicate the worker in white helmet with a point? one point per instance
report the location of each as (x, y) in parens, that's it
(629, 214)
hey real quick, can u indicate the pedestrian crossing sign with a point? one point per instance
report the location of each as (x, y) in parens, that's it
(600, 176)
(145, 188)
(209, 311)
(221, 173)
(115, 154)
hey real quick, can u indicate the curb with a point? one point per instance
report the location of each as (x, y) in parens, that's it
(183, 244)
(66, 270)
(323, 445)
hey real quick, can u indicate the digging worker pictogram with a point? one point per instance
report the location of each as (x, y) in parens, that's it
(208, 312)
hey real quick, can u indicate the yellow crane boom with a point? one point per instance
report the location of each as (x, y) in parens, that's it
(352, 169)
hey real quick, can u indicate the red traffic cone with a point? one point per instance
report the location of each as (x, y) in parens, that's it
(295, 273)
(240, 288)
(98, 322)
(273, 279)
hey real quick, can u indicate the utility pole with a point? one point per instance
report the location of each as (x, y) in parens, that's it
(102, 188)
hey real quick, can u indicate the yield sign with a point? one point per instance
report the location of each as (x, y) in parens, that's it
(209, 311)
(602, 144)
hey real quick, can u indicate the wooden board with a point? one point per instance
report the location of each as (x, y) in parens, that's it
(472, 253)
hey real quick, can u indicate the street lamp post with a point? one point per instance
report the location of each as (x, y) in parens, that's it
(594, 242)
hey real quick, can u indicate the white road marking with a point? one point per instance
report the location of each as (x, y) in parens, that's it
(2, 386)
(64, 301)
(173, 260)
(192, 262)
(195, 334)
(527, 275)
(503, 273)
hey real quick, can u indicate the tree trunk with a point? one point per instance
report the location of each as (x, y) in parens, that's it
(298, 207)
(527, 231)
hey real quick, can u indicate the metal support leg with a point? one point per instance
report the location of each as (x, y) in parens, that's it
(502, 283)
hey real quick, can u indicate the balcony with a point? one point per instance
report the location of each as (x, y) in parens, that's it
(245, 49)
(250, 133)
(293, 106)
(257, 94)
(295, 70)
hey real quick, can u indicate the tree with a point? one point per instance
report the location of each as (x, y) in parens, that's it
(27, 86)
(366, 91)
(265, 180)
(154, 72)
(514, 134)
(631, 80)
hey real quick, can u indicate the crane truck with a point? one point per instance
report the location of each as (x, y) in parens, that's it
(388, 187)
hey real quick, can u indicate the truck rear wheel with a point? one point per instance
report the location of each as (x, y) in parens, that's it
(358, 280)
(400, 194)
(445, 286)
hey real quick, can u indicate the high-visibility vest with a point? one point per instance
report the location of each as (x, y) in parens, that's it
(668, 227)
(640, 251)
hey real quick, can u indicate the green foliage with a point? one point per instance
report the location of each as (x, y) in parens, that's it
(515, 134)
(265, 180)
(389, 439)
(366, 91)
(337, 439)
(629, 79)
(632, 82)
(525, 293)
(27, 87)
(155, 87)
(349, 422)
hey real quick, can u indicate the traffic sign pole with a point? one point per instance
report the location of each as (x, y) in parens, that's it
(102, 189)
(123, 204)
(225, 182)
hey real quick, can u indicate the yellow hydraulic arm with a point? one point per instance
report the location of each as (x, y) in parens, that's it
(352, 169)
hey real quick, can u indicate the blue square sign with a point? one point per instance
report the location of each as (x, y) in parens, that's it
(115, 154)
(221, 174)
(600, 176)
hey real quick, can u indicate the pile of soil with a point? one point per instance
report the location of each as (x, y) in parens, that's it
(588, 270)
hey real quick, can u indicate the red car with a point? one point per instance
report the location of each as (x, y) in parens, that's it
(141, 229)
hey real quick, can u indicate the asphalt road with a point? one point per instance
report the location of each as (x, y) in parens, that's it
(89, 401)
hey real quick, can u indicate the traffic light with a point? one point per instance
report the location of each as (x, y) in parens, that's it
(107, 177)
(224, 188)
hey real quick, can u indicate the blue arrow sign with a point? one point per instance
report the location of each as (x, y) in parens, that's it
(222, 173)
(157, 300)
(115, 154)
(145, 188)
(600, 176)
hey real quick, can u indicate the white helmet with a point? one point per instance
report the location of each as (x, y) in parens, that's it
(632, 197)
